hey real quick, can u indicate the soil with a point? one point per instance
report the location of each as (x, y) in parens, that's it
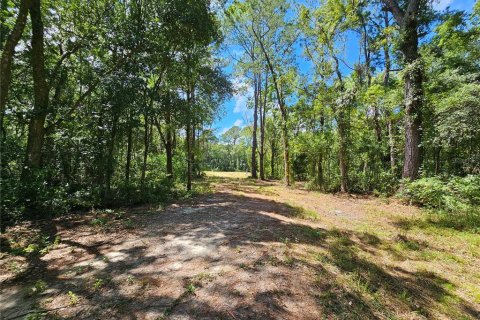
(235, 253)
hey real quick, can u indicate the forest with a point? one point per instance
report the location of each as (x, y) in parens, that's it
(360, 110)
(103, 102)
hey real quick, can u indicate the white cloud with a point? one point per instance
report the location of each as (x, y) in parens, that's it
(240, 103)
(238, 123)
(441, 4)
(243, 91)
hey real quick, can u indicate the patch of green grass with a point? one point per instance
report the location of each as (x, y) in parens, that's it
(98, 284)
(190, 288)
(288, 260)
(128, 223)
(358, 283)
(436, 222)
(78, 270)
(273, 261)
(130, 279)
(474, 292)
(310, 233)
(73, 298)
(38, 287)
(35, 315)
(201, 279)
(370, 239)
(286, 241)
(433, 255)
(203, 187)
(99, 222)
(15, 267)
(37, 244)
(267, 191)
(430, 255)
(344, 241)
(405, 296)
(321, 257)
(405, 243)
(301, 212)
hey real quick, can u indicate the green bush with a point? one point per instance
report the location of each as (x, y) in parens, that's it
(455, 194)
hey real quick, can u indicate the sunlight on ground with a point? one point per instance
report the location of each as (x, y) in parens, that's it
(225, 174)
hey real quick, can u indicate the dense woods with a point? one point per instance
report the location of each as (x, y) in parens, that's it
(398, 105)
(114, 102)
(102, 101)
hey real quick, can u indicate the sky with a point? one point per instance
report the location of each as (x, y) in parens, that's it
(235, 111)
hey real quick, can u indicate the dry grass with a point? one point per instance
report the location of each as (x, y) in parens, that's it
(376, 238)
(227, 175)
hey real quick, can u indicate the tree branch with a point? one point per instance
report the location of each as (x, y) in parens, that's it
(397, 12)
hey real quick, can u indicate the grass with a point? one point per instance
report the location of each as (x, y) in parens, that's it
(227, 175)
(380, 260)
(301, 213)
(73, 298)
(438, 251)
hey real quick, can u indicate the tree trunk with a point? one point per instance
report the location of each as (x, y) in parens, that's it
(261, 153)
(129, 154)
(342, 133)
(169, 153)
(195, 168)
(8, 52)
(110, 160)
(36, 127)
(100, 158)
(413, 87)
(169, 145)
(413, 104)
(386, 81)
(189, 140)
(391, 142)
(283, 110)
(255, 119)
(263, 113)
(320, 179)
(189, 156)
(168, 141)
(146, 138)
(342, 153)
(272, 158)
(376, 121)
(438, 159)
(286, 153)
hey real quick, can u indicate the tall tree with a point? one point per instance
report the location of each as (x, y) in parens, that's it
(8, 51)
(36, 127)
(407, 18)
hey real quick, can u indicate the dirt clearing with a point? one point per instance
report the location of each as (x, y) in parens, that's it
(248, 250)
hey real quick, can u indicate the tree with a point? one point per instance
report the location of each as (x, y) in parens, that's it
(407, 18)
(8, 50)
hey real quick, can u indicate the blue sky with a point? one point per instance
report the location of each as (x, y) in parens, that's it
(235, 111)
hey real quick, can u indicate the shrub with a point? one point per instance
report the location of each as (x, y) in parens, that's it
(456, 194)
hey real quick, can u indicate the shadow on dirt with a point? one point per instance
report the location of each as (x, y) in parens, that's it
(373, 291)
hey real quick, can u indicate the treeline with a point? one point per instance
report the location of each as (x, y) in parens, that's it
(111, 102)
(102, 101)
(406, 108)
